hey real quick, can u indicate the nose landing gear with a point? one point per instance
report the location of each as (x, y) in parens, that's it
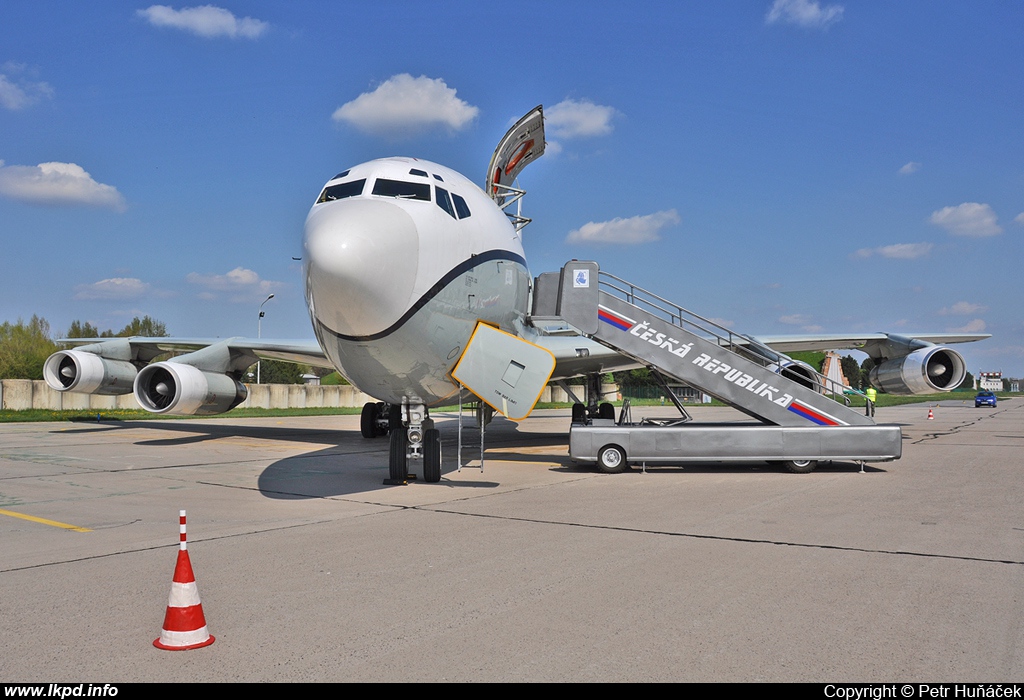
(413, 436)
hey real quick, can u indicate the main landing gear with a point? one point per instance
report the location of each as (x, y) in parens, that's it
(412, 436)
(593, 408)
(375, 420)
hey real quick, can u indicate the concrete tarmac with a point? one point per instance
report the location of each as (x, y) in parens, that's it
(310, 569)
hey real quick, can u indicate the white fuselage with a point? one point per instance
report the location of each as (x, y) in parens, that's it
(403, 258)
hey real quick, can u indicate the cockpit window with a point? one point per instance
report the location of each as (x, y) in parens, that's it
(341, 175)
(444, 201)
(421, 173)
(460, 206)
(438, 177)
(402, 190)
(345, 189)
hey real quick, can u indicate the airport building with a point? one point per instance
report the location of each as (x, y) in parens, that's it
(990, 381)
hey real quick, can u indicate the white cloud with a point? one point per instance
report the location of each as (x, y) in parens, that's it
(17, 93)
(804, 13)
(910, 168)
(403, 104)
(795, 319)
(206, 21)
(240, 284)
(898, 251)
(573, 119)
(975, 326)
(967, 219)
(962, 308)
(802, 320)
(1019, 218)
(57, 183)
(636, 229)
(120, 288)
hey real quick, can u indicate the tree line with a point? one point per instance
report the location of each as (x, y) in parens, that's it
(24, 346)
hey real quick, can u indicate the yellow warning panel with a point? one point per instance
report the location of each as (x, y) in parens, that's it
(505, 372)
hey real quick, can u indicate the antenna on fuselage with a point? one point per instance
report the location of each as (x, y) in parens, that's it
(521, 145)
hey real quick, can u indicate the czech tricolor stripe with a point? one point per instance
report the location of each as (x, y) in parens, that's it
(614, 319)
(813, 415)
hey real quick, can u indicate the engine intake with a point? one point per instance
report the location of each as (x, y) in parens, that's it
(88, 373)
(925, 371)
(801, 373)
(183, 390)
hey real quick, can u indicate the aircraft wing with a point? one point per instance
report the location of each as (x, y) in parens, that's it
(862, 341)
(576, 356)
(306, 352)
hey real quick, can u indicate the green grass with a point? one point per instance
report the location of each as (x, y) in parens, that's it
(35, 416)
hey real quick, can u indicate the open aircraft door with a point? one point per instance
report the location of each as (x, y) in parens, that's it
(521, 145)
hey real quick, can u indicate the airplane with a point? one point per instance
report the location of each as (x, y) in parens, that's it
(405, 260)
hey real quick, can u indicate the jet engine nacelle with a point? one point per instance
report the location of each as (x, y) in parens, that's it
(801, 373)
(183, 390)
(925, 371)
(88, 373)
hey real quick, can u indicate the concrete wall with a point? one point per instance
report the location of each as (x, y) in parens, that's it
(24, 394)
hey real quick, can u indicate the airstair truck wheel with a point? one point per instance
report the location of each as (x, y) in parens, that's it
(800, 466)
(611, 459)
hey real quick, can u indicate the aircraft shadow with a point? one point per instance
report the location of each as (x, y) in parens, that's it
(357, 465)
(350, 464)
(200, 430)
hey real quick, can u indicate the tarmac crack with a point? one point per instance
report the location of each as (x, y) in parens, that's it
(723, 538)
(957, 428)
(152, 548)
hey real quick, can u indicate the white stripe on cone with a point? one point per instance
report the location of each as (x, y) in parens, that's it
(184, 624)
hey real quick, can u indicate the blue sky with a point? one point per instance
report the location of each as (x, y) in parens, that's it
(783, 166)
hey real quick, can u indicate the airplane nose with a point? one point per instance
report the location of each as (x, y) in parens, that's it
(362, 256)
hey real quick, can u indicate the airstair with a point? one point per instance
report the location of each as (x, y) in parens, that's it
(736, 369)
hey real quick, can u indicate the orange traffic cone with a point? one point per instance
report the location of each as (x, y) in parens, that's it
(931, 416)
(184, 624)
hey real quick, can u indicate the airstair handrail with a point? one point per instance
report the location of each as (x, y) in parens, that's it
(744, 345)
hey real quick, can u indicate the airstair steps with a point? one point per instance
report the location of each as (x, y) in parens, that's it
(736, 369)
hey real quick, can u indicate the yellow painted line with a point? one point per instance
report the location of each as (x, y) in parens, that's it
(44, 521)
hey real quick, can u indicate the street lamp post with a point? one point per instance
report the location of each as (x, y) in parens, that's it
(259, 333)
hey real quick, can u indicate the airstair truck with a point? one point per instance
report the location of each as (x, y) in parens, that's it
(803, 417)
